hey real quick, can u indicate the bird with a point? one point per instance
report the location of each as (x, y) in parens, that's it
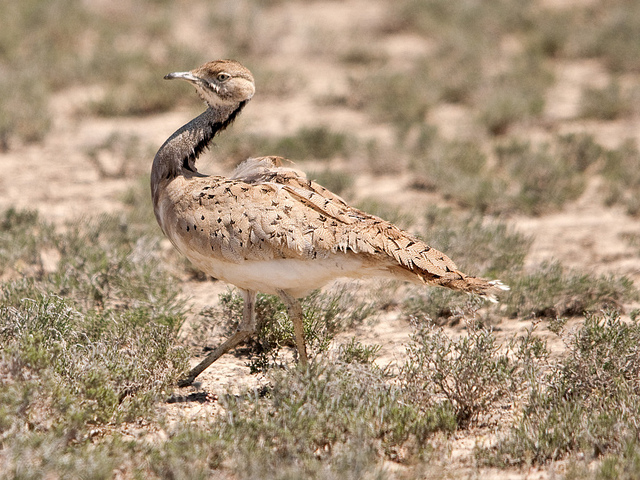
(267, 228)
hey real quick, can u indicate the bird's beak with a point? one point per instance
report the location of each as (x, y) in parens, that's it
(188, 76)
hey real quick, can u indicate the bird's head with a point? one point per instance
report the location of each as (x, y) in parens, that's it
(221, 83)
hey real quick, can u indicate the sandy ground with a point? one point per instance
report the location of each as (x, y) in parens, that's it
(56, 178)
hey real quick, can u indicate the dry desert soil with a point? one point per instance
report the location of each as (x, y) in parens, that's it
(63, 178)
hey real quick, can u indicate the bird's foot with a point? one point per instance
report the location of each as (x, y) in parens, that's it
(187, 381)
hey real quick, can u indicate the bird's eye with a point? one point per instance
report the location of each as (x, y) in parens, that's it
(222, 77)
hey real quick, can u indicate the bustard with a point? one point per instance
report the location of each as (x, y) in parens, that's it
(269, 229)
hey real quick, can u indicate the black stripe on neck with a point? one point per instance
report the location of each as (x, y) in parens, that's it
(212, 130)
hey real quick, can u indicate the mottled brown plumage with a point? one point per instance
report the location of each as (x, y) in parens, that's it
(268, 228)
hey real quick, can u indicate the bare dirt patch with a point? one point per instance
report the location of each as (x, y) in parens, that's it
(310, 41)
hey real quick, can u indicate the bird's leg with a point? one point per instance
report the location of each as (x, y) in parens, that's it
(294, 309)
(246, 329)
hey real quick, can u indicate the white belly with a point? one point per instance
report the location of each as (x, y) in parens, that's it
(298, 277)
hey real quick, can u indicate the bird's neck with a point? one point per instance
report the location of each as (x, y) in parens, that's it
(178, 155)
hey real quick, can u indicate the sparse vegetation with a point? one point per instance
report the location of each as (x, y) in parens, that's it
(587, 401)
(325, 315)
(615, 25)
(472, 375)
(486, 248)
(122, 150)
(515, 95)
(66, 43)
(552, 291)
(315, 142)
(22, 238)
(101, 352)
(88, 342)
(458, 170)
(336, 419)
(490, 250)
(606, 103)
(518, 176)
(89, 313)
(542, 177)
(493, 251)
(390, 96)
(142, 96)
(335, 411)
(622, 179)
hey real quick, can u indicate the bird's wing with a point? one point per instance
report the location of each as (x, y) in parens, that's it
(273, 170)
(351, 228)
(266, 211)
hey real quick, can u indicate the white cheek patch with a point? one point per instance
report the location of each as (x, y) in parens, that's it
(212, 99)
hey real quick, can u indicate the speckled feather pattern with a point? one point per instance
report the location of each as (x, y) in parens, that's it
(268, 212)
(267, 227)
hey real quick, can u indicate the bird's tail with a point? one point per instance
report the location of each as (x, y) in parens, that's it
(488, 289)
(417, 261)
